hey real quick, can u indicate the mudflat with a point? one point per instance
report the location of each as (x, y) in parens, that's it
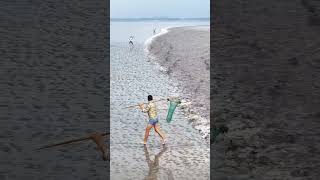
(54, 87)
(184, 54)
(265, 83)
(186, 154)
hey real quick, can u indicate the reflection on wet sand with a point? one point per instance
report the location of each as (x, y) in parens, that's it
(154, 165)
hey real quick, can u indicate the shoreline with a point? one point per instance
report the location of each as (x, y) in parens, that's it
(191, 76)
(165, 30)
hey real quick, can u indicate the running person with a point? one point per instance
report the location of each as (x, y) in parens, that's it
(151, 109)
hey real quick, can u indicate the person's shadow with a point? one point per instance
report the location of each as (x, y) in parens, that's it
(154, 165)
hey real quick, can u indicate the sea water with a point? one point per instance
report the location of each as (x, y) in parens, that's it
(120, 31)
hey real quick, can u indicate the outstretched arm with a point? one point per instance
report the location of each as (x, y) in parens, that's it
(144, 109)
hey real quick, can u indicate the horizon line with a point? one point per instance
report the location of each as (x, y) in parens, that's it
(161, 18)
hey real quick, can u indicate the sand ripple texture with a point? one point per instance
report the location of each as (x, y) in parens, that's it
(186, 155)
(265, 88)
(53, 88)
(184, 52)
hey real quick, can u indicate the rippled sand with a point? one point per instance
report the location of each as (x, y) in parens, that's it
(53, 88)
(186, 155)
(266, 89)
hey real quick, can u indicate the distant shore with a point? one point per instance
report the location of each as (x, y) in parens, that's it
(159, 19)
(184, 53)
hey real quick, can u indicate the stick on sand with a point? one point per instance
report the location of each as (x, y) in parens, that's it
(142, 103)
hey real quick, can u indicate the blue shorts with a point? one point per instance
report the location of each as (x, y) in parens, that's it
(153, 121)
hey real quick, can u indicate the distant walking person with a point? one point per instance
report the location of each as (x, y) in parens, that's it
(131, 41)
(151, 109)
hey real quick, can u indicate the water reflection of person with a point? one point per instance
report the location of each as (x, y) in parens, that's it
(154, 165)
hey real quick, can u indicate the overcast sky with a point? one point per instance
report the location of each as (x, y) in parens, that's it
(160, 8)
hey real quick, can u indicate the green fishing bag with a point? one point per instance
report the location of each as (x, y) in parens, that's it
(172, 106)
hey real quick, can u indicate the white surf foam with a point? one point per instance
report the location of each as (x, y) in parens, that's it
(149, 41)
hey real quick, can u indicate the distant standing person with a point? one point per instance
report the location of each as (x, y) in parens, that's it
(154, 31)
(151, 109)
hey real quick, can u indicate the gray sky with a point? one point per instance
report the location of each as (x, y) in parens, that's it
(159, 8)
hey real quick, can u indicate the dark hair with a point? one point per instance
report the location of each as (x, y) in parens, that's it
(150, 98)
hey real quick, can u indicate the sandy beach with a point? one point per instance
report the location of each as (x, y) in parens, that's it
(184, 52)
(54, 87)
(265, 88)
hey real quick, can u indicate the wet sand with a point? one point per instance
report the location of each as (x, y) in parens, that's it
(186, 155)
(265, 84)
(53, 86)
(183, 52)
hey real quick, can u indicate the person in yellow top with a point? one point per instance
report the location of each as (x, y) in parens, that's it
(151, 109)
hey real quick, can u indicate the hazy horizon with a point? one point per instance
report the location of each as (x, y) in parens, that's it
(125, 9)
(159, 19)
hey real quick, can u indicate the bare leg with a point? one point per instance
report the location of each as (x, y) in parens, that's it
(157, 129)
(146, 134)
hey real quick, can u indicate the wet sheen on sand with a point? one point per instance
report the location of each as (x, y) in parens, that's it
(186, 154)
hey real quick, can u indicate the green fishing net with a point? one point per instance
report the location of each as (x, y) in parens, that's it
(172, 106)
